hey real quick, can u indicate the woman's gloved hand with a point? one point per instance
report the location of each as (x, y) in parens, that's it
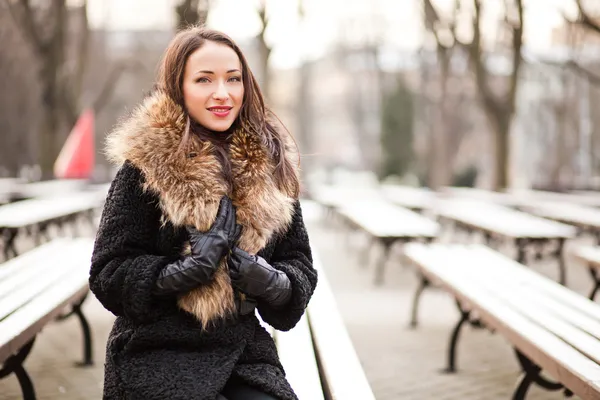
(207, 250)
(252, 275)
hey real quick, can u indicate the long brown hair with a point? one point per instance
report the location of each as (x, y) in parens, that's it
(253, 112)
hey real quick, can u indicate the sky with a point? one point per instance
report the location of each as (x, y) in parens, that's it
(399, 21)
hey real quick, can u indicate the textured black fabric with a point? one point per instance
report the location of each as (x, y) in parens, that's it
(157, 351)
(237, 390)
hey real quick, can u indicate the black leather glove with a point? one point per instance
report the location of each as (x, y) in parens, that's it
(253, 276)
(207, 250)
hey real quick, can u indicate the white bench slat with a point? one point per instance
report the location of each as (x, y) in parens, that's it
(34, 211)
(554, 298)
(32, 316)
(339, 362)
(298, 359)
(409, 197)
(525, 299)
(21, 278)
(576, 371)
(588, 254)
(573, 214)
(502, 220)
(383, 219)
(24, 294)
(13, 265)
(554, 290)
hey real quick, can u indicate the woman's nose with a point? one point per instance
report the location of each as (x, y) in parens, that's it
(221, 93)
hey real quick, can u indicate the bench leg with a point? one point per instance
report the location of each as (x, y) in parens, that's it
(531, 374)
(596, 278)
(464, 317)
(423, 283)
(379, 272)
(364, 262)
(14, 364)
(521, 245)
(9, 243)
(87, 333)
(562, 278)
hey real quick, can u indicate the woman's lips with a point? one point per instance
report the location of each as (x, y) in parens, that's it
(220, 112)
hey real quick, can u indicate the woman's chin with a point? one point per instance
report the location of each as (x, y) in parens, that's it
(220, 126)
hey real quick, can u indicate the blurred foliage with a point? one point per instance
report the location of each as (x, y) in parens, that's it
(397, 128)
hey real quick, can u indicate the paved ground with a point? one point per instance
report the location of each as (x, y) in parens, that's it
(400, 363)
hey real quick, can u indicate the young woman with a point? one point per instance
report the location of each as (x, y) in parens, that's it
(202, 226)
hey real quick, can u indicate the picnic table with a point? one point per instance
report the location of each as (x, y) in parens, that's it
(386, 224)
(498, 223)
(413, 198)
(585, 218)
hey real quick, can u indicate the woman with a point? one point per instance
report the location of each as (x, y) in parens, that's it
(202, 225)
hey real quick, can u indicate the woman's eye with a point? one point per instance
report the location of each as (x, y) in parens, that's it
(202, 80)
(235, 79)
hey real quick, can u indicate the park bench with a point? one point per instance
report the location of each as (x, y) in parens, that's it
(318, 355)
(585, 218)
(413, 198)
(386, 224)
(542, 195)
(48, 188)
(590, 255)
(34, 217)
(332, 197)
(36, 288)
(499, 224)
(551, 328)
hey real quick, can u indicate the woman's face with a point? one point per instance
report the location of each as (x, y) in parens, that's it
(212, 86)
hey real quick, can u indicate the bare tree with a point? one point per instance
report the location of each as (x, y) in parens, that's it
(264, 50)
(499, 108)
(444, 32)
(49, 29)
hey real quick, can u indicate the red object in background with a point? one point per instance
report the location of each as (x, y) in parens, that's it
(76, 159)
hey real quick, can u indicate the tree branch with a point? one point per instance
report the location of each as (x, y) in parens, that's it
(22, 14)
(516, 54)
(111, 82)
(586, 20)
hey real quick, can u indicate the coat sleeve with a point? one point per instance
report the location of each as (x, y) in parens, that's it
(125, 261)
(292, 255)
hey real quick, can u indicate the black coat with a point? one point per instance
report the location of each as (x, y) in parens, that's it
(155, 349)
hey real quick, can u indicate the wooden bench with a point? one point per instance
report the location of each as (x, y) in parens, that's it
(386, 224)
(35, 216)
(498, 223)
(551, 328)
(36, 288)
(585, 218)
(590, 255)
(318, 356)
(414, 198)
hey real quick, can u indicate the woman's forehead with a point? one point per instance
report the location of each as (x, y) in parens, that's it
(214, 57)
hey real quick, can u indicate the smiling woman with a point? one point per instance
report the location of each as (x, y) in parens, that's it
(213, 90)
(202, 226)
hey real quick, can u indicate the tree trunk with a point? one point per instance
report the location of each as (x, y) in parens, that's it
(501, 131)
(442, 170)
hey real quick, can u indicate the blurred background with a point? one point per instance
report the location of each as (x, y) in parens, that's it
(492, 93)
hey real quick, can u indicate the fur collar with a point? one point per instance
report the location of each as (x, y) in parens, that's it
(190, 186)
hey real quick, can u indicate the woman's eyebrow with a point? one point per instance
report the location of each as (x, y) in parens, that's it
(212, 72)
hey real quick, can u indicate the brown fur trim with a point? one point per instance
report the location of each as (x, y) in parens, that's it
(190, 186)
